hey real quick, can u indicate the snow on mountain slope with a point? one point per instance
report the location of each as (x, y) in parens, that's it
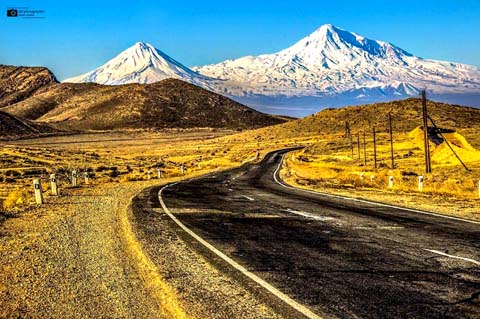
(330, 67)
(141, 63)
(332, 61)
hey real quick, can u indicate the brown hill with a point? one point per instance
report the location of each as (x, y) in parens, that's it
(19, 83)
(168, 103)
(406, 115)
(14, 128)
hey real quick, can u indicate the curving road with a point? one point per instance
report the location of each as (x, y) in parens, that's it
(334, 256)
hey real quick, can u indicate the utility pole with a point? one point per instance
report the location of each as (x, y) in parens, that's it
(391, 138)
(428, 167)
(374, 148)
(364, 150)
(351, 145)
(358, 145)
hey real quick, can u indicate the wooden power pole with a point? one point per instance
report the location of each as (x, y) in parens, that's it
(374, 148)
(358, 145)
(428, 167)
(391, 138)
(364, 150)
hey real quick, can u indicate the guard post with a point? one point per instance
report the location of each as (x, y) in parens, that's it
(420, 183)
(74, 178)
(53, 185)
(37, 187)
(390, 182)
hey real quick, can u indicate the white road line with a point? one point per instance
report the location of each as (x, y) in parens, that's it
(292, 303)
(248, 197)
(366, 201)
(309, 215)
(453, 256)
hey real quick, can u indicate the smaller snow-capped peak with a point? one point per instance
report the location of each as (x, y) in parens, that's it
(140, 63)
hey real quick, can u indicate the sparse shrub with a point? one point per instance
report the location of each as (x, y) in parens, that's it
(12, 173)
(16, 198)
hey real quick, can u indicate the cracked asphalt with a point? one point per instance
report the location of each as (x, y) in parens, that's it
(339, 258)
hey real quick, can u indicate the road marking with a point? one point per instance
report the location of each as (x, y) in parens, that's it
(309, 215)
(248, 197)
(292, 303)
(453, 256)
(365, 201)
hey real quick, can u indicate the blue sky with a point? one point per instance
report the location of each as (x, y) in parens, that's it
(78, 36)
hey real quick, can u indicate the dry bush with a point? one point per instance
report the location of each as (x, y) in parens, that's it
(16, 198)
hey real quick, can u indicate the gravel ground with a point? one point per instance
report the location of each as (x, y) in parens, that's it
(67, 259)
(78, 256)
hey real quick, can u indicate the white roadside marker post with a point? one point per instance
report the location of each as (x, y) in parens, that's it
(372, 177)
(159, 173)
(420, 183)
(257, 155)
(53, 185)
(182, 169)
(390, 182)
(37, 187)
(86, 177)
(149, 174)
(199, 165)
(74, 178)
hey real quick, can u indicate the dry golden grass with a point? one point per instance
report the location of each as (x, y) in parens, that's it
(325, 163)
(117, 157)
(328, 165)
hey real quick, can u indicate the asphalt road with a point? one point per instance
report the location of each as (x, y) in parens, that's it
(340, 258)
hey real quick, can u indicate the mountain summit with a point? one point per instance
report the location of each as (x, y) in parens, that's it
(332, 62)
(141, 63)
(330, 67)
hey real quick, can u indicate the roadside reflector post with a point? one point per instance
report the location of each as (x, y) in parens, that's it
(149, 174)
(372, 177)
(257, 155)
(37, 187)
(199, 165)
(390, 182)
(420, 183)
(159, 173)
(53, 185)
(293, 157)
(182, 169)
(74, 178)
(86, 177)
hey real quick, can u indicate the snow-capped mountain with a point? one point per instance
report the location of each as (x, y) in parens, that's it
(141, 63)
(331, 63)
(330, 67)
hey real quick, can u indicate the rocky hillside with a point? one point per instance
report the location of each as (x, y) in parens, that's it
(164, 104)
(20, 83)
(14, 128)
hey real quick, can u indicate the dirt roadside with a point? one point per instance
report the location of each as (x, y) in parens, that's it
(67, 259)
(78, 257)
